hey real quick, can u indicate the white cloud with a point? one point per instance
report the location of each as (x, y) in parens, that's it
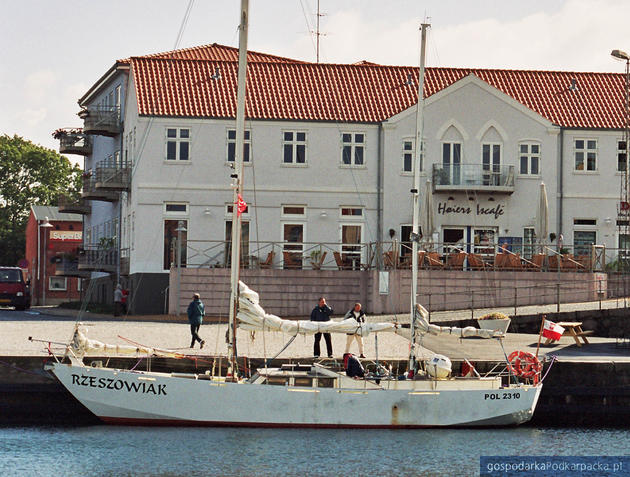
(32, 117)
(38, 85)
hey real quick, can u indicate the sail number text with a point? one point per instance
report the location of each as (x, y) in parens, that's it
(500, 396)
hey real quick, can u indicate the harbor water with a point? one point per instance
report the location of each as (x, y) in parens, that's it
(148, 451)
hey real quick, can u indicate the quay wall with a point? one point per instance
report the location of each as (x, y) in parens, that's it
(294, 293)
(574, 393)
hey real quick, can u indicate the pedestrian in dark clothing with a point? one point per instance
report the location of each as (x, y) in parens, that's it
(196, 312)
(322, 312)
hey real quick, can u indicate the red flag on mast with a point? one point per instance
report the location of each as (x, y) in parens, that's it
(241, 205)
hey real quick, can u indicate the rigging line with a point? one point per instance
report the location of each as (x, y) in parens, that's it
(253, 166)
(184, 23)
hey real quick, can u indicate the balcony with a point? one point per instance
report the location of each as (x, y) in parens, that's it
(69, 267)
(95, 258)
(74, 206)
(113, 175)
(473, 177)
(74, 141)
(103, 121)
(92, 192)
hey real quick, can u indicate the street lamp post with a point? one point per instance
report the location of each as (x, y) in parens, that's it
(180, 228)
(43, 225)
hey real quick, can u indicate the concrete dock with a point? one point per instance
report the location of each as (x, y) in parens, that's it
(587, 385)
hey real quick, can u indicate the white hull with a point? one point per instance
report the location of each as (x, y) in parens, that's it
(146, 398)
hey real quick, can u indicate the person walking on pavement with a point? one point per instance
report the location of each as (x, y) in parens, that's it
(359, 315)
(196, 312)
(322, 312)
(118, 296)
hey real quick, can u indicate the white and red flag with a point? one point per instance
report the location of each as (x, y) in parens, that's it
(241, 205)
(552, 331)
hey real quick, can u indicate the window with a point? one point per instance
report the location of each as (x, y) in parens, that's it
(582, 241)
(176, 208)
(293, 236)
(229, 209)
(622, 157)
(170, 243)
(451, 164)
(231, 145)
(351, 212)
(585, 154)
(57, 283)
(177, 144)
(491, 163)
(529, 159)
(351, 245)
(352, 150)
(584, 221)
(294, 147)
(244, 254)
(293, 210)
(408, 155)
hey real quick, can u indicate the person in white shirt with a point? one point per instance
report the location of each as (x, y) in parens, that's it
(359, 315)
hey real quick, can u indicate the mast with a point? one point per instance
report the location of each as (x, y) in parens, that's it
(416, 195)
(237, 184)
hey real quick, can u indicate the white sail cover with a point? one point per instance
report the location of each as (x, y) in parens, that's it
(253, 317)
(83, 346)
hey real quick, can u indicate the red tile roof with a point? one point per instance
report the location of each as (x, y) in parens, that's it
(215, 52)
(361, 93)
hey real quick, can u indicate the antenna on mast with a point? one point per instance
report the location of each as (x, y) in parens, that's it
(317, 32)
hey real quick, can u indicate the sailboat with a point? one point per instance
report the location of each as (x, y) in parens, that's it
(295, 395)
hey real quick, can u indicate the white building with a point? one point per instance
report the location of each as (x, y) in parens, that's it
(329, 160)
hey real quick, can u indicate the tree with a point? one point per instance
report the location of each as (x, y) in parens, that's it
(29, 175)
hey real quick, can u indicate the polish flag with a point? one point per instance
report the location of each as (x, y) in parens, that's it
(552, 330)
(241, 205)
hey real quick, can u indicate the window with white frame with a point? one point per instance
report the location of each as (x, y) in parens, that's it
(529, 158)
(57, 283)
(229, 209)
(451, 164)
(176, 208)
(294, 147)
(622, 156)
(353, 149)
(585, 154)
(491, 163)
(177, 144)
(409, 154)
(294, 211)
(351, 212)
(231, 145)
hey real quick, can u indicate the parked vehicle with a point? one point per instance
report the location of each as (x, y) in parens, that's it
(15, 290)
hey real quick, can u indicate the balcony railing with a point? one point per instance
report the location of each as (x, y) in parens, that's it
(73, 142)
(91, 191)
(74, 206)
(103, 121)
(69, 267)
(113, 174)
(98, 259)
(473, 177)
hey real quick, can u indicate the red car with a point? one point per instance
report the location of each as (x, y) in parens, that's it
(14, 289)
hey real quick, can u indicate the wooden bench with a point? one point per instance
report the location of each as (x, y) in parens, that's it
(574, 329)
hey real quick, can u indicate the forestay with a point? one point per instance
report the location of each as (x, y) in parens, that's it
(253, 317)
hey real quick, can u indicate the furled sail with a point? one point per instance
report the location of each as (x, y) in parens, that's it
(83, 346)
(253, 317)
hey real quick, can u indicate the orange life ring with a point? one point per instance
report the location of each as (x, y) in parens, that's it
(522, 363)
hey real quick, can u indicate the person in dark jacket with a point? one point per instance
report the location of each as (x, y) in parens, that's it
(359, 315)
(322, 312)
(196, 312)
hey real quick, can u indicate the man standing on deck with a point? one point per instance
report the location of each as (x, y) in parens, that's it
(322, 312)
(359, 315)
(196, 312)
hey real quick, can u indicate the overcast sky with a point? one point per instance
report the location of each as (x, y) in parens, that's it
(54, 50)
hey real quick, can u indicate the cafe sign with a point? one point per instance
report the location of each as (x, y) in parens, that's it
(67, 235)
(479, 210)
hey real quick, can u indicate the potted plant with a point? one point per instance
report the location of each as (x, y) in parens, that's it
(494, 321)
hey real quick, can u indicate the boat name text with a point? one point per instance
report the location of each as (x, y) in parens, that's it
(118, 385)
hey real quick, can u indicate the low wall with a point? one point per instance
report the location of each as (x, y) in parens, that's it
(294, 293)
